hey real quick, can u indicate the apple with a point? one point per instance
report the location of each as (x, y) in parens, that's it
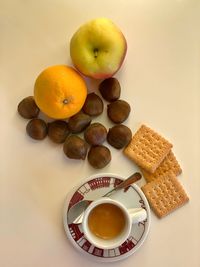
(98, 48)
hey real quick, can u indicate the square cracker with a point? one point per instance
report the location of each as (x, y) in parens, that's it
(147, 149)
(165, 195)
(169, 164)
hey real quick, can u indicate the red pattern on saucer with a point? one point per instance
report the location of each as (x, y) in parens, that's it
(76, 230)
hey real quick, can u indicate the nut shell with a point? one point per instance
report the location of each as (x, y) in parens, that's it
(119, 136)
(93, 105)
(99, 156)
(79, 122)
(110, 89)
(58, 131)
(75, 147)
(37, 129)
(118, 111)
(27, 108)
(95, 134)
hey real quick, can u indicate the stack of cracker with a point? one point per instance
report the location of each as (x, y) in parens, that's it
(159, 166)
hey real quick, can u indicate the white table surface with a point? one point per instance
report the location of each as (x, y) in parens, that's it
(159, 78)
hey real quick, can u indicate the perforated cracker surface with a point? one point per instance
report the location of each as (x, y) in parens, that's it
(169, 164)
(147, 149)
(165, 195)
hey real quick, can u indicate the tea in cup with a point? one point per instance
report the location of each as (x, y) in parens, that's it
(107, 223)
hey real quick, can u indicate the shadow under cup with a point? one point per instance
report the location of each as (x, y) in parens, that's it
(106, 223)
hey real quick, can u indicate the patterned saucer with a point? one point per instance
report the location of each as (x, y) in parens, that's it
(93, 188)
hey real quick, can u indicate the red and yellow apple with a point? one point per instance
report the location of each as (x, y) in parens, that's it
(98, 48)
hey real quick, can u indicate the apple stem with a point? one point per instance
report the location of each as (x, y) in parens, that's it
(96, 50)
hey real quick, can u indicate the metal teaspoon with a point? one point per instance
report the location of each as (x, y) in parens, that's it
(76, 212)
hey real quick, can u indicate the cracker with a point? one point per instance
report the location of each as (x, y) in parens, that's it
(165, 195)
(169, 164)
(147, 149)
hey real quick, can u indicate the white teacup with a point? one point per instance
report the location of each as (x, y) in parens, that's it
(107, 223)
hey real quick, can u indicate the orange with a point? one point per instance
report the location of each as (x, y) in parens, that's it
(60, 92)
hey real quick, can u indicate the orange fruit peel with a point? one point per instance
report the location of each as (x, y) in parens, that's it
(60, 91)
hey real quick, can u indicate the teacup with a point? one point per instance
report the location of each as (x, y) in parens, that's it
(107, 223)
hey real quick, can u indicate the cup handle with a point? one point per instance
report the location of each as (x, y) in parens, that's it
(137, 214)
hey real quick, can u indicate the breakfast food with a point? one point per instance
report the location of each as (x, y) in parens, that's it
(58, 131)
(158, 164)
(99, 156)
(79, 122)
(106, 221)
(75, 147)
(37, 129)
(147, 149)
(165, 194)
(118, 111)
(27, 108)
(119, 136)
(60, 92)
(169, 164)
(93, 105)
(95, 134)
(98, 48)
(110, 89)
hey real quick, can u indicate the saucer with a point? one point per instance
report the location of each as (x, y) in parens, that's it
(93, 188)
